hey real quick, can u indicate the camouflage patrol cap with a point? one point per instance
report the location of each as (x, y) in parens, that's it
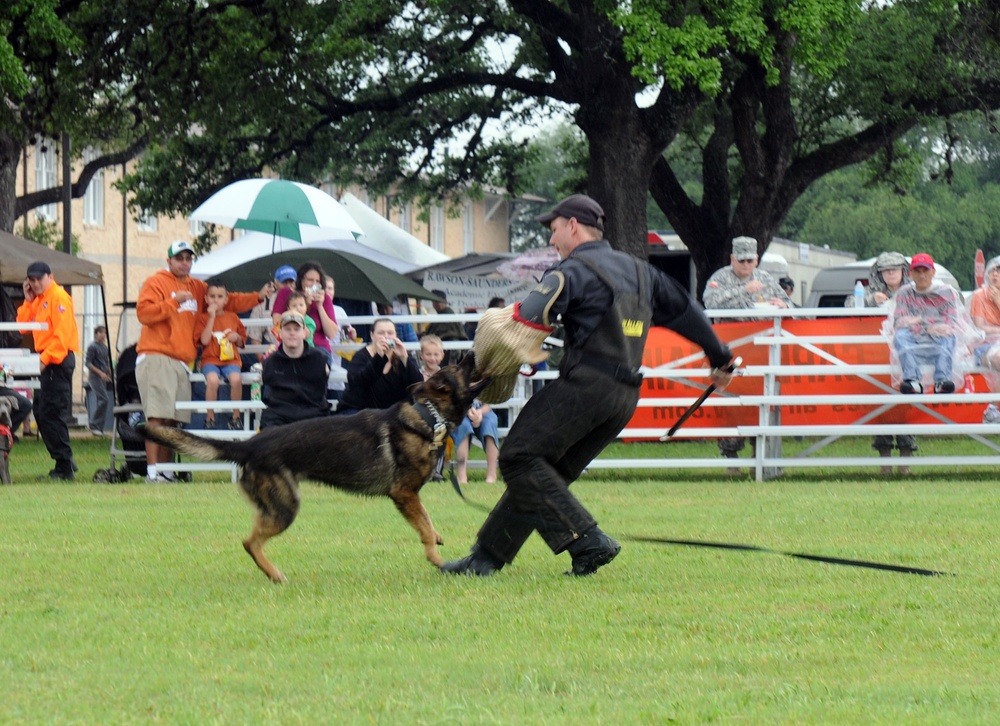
(890, 261)
(744, 248)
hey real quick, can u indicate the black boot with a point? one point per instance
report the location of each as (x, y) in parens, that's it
(480, 563)
(593, 550)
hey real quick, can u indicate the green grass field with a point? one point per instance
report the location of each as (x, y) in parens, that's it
(135, 603)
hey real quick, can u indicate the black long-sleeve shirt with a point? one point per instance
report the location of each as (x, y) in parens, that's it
(294, 388)
(369, 387)
(585, 300)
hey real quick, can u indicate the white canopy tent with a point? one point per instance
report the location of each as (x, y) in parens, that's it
(384, 236)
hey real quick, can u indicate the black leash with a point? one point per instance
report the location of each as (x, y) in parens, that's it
(905, 569)
(458, 488)
(799, 555)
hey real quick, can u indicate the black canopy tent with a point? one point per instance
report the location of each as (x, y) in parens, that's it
(16, 253)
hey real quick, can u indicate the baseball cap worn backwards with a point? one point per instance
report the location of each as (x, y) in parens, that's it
(286, 273)
(744, 248)
(180, 246)
(289, 318)
(37, 269)
(922, 260)
(579, 206)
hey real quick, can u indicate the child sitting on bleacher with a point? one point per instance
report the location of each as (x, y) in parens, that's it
(297, 303)
(220, 332)
(481, 421)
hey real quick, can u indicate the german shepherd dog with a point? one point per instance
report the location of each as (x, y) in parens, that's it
(378, 452)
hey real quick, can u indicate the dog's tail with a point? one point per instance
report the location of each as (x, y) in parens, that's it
(197, 446)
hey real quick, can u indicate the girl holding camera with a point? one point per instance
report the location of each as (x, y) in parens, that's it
(381, 372)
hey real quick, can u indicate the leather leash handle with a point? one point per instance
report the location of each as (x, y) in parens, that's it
(736, 363)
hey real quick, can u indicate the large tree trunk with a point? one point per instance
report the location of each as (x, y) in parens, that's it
(621, 157)
(10, 151)
(619, 179)
(708, 228)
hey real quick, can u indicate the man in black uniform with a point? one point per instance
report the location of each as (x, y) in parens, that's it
(606, 300)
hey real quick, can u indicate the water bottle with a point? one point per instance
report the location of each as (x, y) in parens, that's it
(255, 386)
(859, 294)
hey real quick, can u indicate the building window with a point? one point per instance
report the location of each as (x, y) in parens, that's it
(492, 206)
(437, 228)
(45, 177)
(196, 226)
(404, 217)
(468, 227)
(146, 223)
(93, 198)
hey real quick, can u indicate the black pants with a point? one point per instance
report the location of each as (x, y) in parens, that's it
(561, 430)
(23, 407)
(51, 406)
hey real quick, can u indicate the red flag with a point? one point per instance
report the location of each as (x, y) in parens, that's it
(980, 268)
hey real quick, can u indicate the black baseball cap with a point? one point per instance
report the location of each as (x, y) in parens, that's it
(37, 269)
(583, 208)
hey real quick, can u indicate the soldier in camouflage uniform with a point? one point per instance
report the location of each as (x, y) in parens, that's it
(888, 273)
(742, 286)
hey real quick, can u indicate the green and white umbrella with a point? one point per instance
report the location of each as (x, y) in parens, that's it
(276, 206)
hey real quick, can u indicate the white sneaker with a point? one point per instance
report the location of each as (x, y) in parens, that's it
(164, 478)
(991, 414)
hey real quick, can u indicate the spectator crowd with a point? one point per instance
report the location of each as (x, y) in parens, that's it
(310, 361)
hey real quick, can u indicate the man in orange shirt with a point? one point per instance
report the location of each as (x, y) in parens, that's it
(47, 302)
(169, 304)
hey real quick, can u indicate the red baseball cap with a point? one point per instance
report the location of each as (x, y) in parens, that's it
(922, 260)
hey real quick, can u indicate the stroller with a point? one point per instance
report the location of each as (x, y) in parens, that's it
(128, 448)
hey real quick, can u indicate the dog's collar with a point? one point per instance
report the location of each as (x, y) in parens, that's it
(434, 420)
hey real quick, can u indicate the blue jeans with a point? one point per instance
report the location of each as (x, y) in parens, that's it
(487, 428)
(916, 350)
(223, 371)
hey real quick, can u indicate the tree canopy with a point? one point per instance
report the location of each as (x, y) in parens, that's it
(943, 198)
(760, 99)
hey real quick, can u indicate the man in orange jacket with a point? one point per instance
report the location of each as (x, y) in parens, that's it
(47, 302)
(168, 306)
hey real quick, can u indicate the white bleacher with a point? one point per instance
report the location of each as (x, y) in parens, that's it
(247, 409)
(26, 365)
(768, 431)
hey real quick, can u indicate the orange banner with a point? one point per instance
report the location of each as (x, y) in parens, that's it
(664, 346)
